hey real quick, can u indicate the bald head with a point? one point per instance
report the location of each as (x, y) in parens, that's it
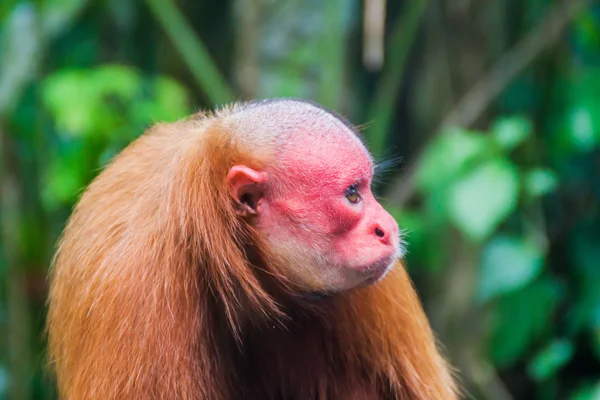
(283, 124)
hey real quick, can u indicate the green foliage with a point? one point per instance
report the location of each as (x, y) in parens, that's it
(509, 133)
(514, 203)
(448, 156)
(483, 198)
(101, 101)
(548, 361)
(587, 392)
(520, 318)
(474, 181)
(508, 264)
(85, 103)
(418, 235)
(97, 112)
(478, 183)
(578, 129)
(540, 182)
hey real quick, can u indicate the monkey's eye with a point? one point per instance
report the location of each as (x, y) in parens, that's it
(352, 194)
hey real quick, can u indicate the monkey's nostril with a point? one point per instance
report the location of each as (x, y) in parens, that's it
(379, 232)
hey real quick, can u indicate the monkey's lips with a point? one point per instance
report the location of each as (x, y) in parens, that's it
(378, 269)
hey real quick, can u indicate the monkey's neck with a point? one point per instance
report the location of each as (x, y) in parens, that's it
(375, 338)
(303, 357)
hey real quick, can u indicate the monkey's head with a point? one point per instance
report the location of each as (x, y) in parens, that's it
(313, 205)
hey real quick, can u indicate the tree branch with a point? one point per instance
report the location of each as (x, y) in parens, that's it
(401, 41)
(192, 50)
(483, 93)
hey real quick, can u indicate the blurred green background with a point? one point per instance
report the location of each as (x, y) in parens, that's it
(488, 109)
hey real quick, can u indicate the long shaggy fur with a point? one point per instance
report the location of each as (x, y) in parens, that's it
(159, 291)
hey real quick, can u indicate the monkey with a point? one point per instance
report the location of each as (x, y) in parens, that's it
(239, 254)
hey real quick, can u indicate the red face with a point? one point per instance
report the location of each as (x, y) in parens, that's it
(319, 214)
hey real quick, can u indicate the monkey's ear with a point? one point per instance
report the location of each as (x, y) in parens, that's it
(247, 188)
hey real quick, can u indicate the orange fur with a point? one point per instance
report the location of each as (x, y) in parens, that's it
(158, 290)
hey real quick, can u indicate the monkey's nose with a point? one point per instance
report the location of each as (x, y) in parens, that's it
(382, 234)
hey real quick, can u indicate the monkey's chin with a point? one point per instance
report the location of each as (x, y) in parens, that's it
(368, 275)
(378, 270)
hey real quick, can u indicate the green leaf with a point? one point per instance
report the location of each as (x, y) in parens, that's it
(483, 198)
(519, 318)
(587, 392)
(551, 359)
(118, 80)
(109, 102)
(71, 101)
(575, 120)
(584, 128)
(447, 156)
(510, 132)
(579, 125)
(540, 181)
(508, 264)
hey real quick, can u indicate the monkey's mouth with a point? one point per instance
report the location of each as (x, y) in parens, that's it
(377, 270)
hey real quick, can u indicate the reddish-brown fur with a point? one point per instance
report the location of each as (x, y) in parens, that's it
(160, 291)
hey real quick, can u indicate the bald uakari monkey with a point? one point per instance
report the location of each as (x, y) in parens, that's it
(239, 254)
